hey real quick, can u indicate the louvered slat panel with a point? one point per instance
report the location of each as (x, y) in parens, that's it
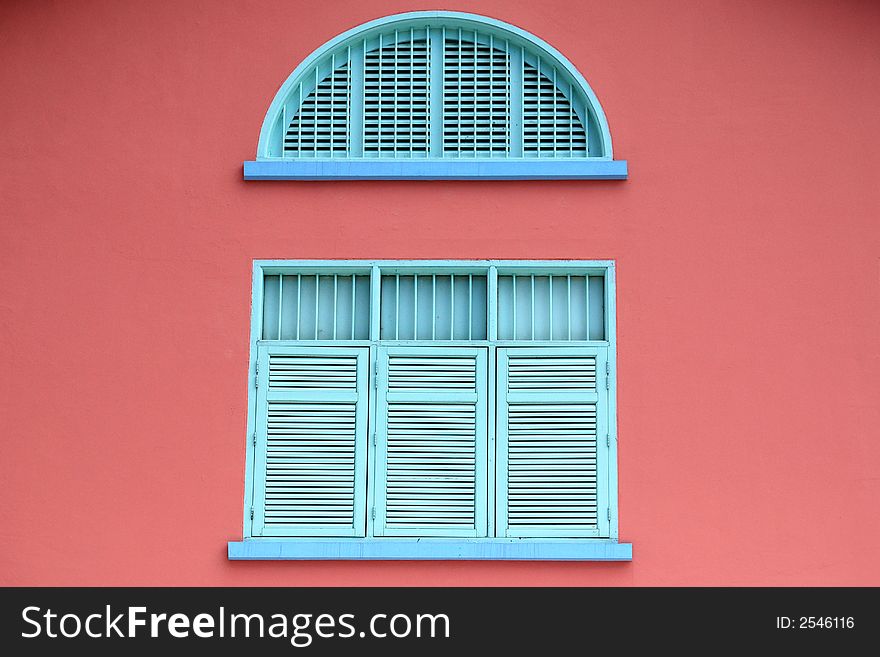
(311, 442)
(320, 126)
(552, 413)
(396, 97)
(432, 442)
(476, 96)
(551, 126)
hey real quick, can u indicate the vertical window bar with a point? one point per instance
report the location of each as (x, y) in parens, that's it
(571, 119)
(415, 306)
(299, 121)
(452, 306)
(315, 115)
(551, 306)
(332, 133)
(568, 303)
(434, 306)
(353, 297)
(522, 123)
(395, 93)
(335, 308)
(539, 123)
(587, 304)
(475, 122)
(470, 304)
(491, 95)
(280, 302)
(363, 99)
(412, 88)
(460, 95)
(533, 305)
(397, 306)
(348, 121)
(298, 306)
(554, 111)
(317, 296)
(514, 305)
(379, 107)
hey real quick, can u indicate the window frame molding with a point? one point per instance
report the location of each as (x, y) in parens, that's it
(602, 167)
(384, 547)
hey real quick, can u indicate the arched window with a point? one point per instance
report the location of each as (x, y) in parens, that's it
(441, 95)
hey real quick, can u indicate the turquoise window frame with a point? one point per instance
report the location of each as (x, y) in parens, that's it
(494, 545)
(598, 164)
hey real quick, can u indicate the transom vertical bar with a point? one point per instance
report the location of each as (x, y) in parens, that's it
(298, 303)
(280, 304)
(317, 302)
(568, 304)
(533, 306)
(335, 307)
(470, 305)
(397, 306)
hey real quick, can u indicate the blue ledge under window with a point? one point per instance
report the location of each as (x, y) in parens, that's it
(435, 96)
(304, 549)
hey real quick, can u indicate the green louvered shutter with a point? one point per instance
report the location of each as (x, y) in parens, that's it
(311, 441)
(431, 442)
(552, 419)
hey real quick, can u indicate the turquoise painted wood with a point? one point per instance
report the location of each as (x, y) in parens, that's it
(461, 169)
(465, 88)
(431, 442)
(473, 549)
(552, 452)
(310, 441)
(443, 313)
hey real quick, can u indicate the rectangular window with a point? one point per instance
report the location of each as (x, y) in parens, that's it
(432, 409)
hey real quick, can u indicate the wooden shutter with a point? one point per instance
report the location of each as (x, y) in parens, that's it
(431, 442)
(311, 441)
(552, 427)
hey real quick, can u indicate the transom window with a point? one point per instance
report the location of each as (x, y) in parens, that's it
(413, 401)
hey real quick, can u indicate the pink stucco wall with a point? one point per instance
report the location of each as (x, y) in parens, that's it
(747, 241)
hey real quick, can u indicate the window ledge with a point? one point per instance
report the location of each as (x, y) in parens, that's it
(391, 549)
(415, 169)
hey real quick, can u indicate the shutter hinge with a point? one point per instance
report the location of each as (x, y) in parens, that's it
(607, 383)
(376, 376)
(252, 513)
(607, 440)
(373, 513)
(607, 375)
(609, 513)
(257, 374)
(374, 438)
(255, 438)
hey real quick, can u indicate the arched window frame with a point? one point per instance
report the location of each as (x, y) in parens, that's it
(597, 163)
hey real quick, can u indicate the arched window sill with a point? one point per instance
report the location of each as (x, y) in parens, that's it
(425, 169)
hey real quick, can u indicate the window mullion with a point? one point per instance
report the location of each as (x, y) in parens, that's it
(435, 74)
(356, 94)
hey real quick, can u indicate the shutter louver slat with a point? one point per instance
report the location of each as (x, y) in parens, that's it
(311, 445)
(476, 98)
(320, 126)
(551, 126)
(396, 97)
(432, 442)
(551, 412)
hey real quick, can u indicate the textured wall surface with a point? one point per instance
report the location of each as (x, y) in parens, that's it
(747, 241)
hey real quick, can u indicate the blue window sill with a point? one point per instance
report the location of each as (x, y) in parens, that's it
(415, 169)
(500, 549)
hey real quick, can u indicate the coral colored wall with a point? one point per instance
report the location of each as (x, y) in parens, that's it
(747, 241)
